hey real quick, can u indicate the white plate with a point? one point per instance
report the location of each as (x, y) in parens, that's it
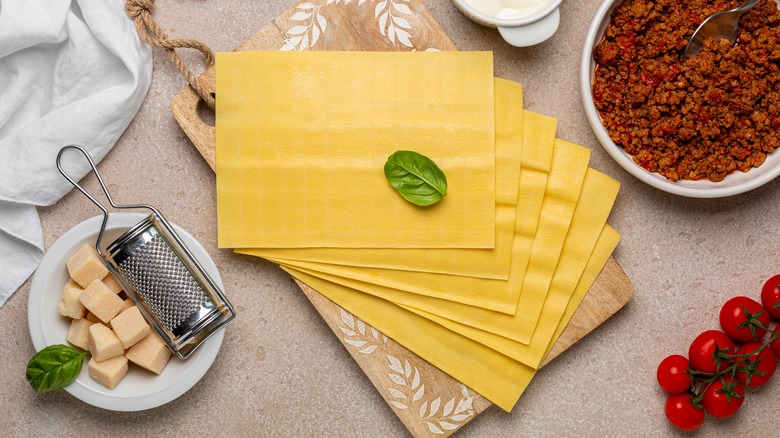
(140, 389)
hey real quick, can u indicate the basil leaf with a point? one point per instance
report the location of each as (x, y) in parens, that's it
(416, 177)
(54, 367)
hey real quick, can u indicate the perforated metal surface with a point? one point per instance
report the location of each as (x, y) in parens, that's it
(163, 282)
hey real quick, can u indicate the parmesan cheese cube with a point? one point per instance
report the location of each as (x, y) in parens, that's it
(150, 353)
(130, 326)
(99, 299)
(70, 305)
(126, 304)
(103, 343)
(94, 319)
(85, 265)
(111, 282)
(108, 372)
(78, 333)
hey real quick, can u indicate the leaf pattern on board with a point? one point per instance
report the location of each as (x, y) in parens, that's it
(409, 390)
(359, 335)
(392, 24)
(309, 24)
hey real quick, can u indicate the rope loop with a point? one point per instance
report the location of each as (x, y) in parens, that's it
(151, 33)
(135, 8)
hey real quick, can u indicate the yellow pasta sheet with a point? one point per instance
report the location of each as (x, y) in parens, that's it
(552, 312)
(589, 219)
(498, 295)
(604, 247)
(493, 375)
(302, 139)
(475, 301)
(484, 263)
(556, 219)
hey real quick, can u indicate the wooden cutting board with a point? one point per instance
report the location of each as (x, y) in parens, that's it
(428, 401)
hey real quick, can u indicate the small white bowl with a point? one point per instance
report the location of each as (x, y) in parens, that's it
(735, 183)
(523, 31)
(140, 389)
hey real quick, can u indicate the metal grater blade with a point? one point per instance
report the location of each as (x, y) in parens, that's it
(176, 296)
(163, 282)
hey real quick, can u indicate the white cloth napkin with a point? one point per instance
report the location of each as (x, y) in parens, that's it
(71, 72)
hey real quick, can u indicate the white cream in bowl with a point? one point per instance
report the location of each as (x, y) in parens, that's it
(507, 9)
(522, 23)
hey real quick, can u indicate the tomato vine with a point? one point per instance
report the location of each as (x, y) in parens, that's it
(721, 365)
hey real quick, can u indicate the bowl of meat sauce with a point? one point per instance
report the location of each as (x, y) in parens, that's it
(707, 127)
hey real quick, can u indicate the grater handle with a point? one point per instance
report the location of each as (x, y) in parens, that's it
(91, 198)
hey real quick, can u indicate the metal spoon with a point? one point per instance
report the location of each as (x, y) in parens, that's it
(719, 26)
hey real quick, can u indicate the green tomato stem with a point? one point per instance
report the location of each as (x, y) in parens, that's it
(732, 369)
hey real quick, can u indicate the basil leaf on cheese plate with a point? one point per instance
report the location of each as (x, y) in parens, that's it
(416, 177)
(54, 367)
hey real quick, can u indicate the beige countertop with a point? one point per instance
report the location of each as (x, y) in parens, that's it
(281, 371)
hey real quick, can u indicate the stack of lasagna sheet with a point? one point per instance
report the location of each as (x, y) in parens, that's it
(481, 284)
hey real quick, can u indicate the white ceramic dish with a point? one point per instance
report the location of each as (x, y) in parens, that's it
(522, 31)
(733, 184)
(140, 389)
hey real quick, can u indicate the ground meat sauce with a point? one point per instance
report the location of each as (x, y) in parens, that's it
(716, 114)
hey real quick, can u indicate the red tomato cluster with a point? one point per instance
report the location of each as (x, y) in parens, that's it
(721, 364)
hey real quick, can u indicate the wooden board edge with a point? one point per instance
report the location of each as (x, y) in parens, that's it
(611, 291)
(364, 345)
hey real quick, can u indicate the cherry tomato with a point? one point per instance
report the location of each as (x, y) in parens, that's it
(770, 296)
(723, 397)
(709, 350)
(759, 368)
(672, 375)
(682, 413)
(744, 319)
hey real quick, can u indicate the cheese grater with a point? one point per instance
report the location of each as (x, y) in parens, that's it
(159, 273)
